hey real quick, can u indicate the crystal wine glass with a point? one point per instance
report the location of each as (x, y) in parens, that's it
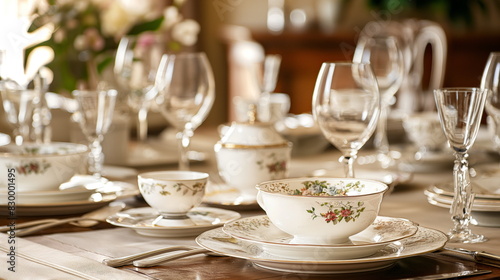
(386, 58)
(187, 97)
(136, 63)
(94, 115)
(18, 106)
(346, 106)
(460, 111)
(491, 80)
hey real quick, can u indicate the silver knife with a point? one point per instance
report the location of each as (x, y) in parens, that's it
(478, 256)
(450, 275)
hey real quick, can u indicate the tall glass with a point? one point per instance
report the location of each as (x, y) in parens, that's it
(386, 58)
(346, 106)
(94, 115)
(187, 97)
(460, 111)
(136, 64)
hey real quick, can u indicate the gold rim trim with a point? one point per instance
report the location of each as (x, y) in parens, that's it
(239, 146)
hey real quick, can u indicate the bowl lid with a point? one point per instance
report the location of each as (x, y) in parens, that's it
(252, 134)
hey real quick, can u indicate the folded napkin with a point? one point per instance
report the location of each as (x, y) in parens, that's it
(30, 260)
(108, 243)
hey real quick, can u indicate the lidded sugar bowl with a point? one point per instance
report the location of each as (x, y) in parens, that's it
(250, 153)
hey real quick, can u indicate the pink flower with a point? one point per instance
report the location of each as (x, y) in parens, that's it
(346, 213)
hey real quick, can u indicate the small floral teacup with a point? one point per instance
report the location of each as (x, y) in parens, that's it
(173, 194)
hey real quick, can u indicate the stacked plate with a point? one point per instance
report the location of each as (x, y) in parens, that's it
(380, 245)
(486, 207)
(79, 195)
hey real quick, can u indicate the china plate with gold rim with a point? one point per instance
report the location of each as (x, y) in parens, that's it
(426, 240)
(141, 220)
(261, 230)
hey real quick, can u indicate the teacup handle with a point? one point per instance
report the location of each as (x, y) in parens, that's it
(260, 201)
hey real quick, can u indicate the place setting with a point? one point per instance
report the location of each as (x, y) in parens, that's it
(339, 229)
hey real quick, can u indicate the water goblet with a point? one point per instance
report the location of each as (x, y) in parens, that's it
(346, 106)
(460, 111)
(94, 115)
(386, 58)
(136, 64)
(187, 97)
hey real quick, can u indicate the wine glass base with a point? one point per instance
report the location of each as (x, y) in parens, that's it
(466, 237)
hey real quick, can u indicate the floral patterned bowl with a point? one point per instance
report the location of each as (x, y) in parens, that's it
(40, 167)
(321, 210)
(173, 194)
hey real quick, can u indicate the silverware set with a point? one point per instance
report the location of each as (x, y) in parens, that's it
(157, 256)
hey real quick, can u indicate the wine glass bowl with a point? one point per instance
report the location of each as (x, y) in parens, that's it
(346, 106)
(187, 97)
(136, 64)
(385, 56)
(460, 111)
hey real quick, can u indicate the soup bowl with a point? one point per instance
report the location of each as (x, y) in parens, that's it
(321, 210)
(40, 167)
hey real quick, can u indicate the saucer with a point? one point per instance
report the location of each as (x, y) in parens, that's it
(488, 205)
(426, 240)
(226, 197)
(261, 230)
(141, 220)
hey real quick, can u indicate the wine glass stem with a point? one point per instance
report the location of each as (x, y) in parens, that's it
(142, 124)
(462, 201)
(96, 158)
(348, 160)
(184, 140)
(380, 140)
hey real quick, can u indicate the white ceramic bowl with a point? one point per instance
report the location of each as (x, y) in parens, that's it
(321, 210)
(173, 193)
(41, 167)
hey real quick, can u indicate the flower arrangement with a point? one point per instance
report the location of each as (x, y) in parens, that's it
(87, 32)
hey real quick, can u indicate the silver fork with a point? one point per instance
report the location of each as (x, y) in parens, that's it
(143, 260)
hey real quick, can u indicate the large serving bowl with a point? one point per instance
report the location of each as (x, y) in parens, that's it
(40, 167)
(321, 210)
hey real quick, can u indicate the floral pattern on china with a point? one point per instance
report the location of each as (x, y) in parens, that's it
(149, 188)
(334, 213)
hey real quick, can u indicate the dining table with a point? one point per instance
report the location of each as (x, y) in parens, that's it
(72, 252)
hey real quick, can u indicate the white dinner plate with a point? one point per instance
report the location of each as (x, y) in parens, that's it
(486, 188)
(426, 240)
(261, 230)
(477, 205)
(80, 195)
(479, 217)
(141, 220)
(60, 208)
